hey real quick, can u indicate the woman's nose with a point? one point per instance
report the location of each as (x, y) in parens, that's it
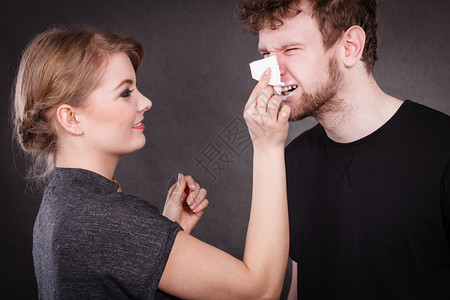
(144, 103)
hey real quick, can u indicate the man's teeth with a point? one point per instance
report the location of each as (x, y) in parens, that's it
(289, 88)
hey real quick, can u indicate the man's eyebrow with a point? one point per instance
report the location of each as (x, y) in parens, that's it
(128, 81)
(285, 46)
(262, 50)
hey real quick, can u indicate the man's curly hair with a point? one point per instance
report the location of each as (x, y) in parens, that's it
(333, 18)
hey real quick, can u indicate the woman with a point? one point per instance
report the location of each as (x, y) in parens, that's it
(77, 111)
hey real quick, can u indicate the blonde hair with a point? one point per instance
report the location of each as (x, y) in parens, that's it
(59, 66)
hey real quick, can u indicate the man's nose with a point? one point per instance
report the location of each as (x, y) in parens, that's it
(281, 63)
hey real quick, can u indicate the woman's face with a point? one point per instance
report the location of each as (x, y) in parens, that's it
(113, 114)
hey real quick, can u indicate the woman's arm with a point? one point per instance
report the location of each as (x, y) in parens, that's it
(196, 270)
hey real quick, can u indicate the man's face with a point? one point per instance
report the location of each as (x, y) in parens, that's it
(311, 75)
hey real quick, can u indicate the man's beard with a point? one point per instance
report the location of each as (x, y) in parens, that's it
(322, 100)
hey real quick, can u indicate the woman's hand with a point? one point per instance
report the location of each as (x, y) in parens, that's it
(185, 202)
(196, 270)
(266, 116)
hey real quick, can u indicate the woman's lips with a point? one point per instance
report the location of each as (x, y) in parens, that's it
(139, 125)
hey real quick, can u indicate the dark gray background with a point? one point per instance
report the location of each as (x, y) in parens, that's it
(196, 73)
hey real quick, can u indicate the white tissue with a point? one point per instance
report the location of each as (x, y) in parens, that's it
(259, 66)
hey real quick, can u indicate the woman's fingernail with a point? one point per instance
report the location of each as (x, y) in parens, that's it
(180, 177)
(267, 71)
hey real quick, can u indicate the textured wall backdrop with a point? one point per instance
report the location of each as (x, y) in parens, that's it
(196, 73)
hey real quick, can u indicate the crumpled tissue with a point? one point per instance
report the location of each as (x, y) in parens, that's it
(258, 67)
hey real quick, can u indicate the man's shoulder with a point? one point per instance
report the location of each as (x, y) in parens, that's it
(426, 113)
(426, 120)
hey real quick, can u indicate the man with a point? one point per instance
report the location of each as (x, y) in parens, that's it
(369, 186)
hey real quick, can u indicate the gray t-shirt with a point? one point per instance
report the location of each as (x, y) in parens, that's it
(92, 242)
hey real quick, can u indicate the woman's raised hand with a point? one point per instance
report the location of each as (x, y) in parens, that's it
(186, 202)
(266, 116)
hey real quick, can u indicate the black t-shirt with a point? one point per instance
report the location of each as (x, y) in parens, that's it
(92, 242)
(370, 219)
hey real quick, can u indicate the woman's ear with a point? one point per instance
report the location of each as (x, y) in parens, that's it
(67, 119)
(353, 40)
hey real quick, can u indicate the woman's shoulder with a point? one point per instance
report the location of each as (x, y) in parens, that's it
(86, 197)
(104, 235)
(121, 203)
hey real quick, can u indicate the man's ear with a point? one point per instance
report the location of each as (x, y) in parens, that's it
(353, 41)
(67, 119)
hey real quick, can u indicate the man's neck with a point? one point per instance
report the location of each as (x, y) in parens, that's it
(358, 110)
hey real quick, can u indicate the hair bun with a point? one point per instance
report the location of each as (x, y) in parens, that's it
(36, 136)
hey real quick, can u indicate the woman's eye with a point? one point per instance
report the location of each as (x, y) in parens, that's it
(126, 93)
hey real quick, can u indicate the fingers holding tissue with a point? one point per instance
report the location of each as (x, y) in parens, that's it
(265, 115)
(258, 67)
